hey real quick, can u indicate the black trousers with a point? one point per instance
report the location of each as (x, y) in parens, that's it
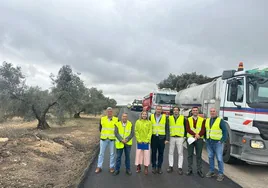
(157, 146)
(198, 146)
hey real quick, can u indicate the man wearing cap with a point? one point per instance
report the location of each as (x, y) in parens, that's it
(107, 138)
(195, 128)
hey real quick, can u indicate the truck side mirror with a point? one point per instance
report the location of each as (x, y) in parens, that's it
(234, 90)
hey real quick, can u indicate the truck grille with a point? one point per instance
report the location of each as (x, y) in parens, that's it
(263, 128)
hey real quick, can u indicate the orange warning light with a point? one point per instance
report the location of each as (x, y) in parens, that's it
(240, 67)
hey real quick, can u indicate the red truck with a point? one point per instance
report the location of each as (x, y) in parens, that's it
(164, 97)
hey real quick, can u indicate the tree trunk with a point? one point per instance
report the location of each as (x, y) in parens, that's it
(77, 115)
(42, 124)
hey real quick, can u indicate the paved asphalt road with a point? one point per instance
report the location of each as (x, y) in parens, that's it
(106, 180)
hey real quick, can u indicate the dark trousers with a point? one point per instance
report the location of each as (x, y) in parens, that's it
(157, 145)
(119, 153)
(198, 146)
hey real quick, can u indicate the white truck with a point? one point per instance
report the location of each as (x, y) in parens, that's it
(137, 105)
(241, 99)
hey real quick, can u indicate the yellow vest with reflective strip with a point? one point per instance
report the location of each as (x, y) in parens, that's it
(107, 130)
(215, 132)
(124, 132)
(159, 128)
(176, 127)
(198, 126)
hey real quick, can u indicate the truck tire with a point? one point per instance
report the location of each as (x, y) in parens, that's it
(227, 158)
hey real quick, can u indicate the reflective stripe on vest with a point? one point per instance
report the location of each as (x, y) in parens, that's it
(176, 127)
(159, 128)
(107, 130)
(198, 126)
(215, 132)
(124, 132)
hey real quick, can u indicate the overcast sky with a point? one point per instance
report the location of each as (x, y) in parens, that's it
(125, 47)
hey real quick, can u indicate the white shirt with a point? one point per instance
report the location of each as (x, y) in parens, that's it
(195, 118)
(158, 118)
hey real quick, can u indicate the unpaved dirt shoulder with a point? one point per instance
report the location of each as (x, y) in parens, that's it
(51, 158)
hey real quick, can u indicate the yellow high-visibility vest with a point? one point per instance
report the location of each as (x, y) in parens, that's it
(124, 132)
(107, 130)
(215, 132)
(176, 127)
(198, 126)
(159, 128)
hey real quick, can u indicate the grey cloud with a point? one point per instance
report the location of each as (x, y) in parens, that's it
(119, 42)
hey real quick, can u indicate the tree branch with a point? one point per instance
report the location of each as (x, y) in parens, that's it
(35, 113)
(50, 105)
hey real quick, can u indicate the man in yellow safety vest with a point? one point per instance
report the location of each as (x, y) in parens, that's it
(195, 128)
(216, 134)
(177, 128)
(107, 138)
(124, 132)
(160, 137)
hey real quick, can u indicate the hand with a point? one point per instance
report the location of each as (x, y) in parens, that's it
(197, 136)
(166, 142)
(124, 141)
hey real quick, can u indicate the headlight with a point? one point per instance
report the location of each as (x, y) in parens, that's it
(257, 144)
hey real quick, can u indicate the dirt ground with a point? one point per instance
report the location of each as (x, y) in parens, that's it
(52, 158)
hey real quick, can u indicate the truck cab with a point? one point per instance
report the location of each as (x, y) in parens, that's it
(137, 105)
(165, 98)
(244, 107)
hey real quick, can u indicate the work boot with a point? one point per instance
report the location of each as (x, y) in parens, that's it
(154, 171)
(128, 172)
(116, 172)
(220, 177)
(180, 171)
(190, 172)
(159, 171)
(210, 174)
(98, 170)
(146, 170)
(111, 170)
(138, 169)
(200, 173)
(170, 169)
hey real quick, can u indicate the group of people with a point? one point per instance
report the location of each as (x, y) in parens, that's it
(154, 132)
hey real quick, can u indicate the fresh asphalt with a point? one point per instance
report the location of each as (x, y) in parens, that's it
(165, 180)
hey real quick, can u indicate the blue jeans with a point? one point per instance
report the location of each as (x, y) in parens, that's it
(215, 148)
(119, 153)
(103, 146)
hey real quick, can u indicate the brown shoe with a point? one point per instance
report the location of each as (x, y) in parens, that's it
(146, 170)
(138, 170)
(112, 170)
(98, 170)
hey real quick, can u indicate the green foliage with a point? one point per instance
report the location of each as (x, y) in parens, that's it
(179, 82)
(68, 95)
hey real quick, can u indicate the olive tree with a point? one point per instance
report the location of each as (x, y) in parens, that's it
(33, 101)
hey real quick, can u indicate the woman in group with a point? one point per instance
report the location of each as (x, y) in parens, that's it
(143, 133)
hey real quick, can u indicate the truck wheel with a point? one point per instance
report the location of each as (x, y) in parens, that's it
(227, 158)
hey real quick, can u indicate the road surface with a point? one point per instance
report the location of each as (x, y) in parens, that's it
(106, 180)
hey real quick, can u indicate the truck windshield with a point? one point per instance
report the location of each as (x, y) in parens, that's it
(258, 91)
(165, 99)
